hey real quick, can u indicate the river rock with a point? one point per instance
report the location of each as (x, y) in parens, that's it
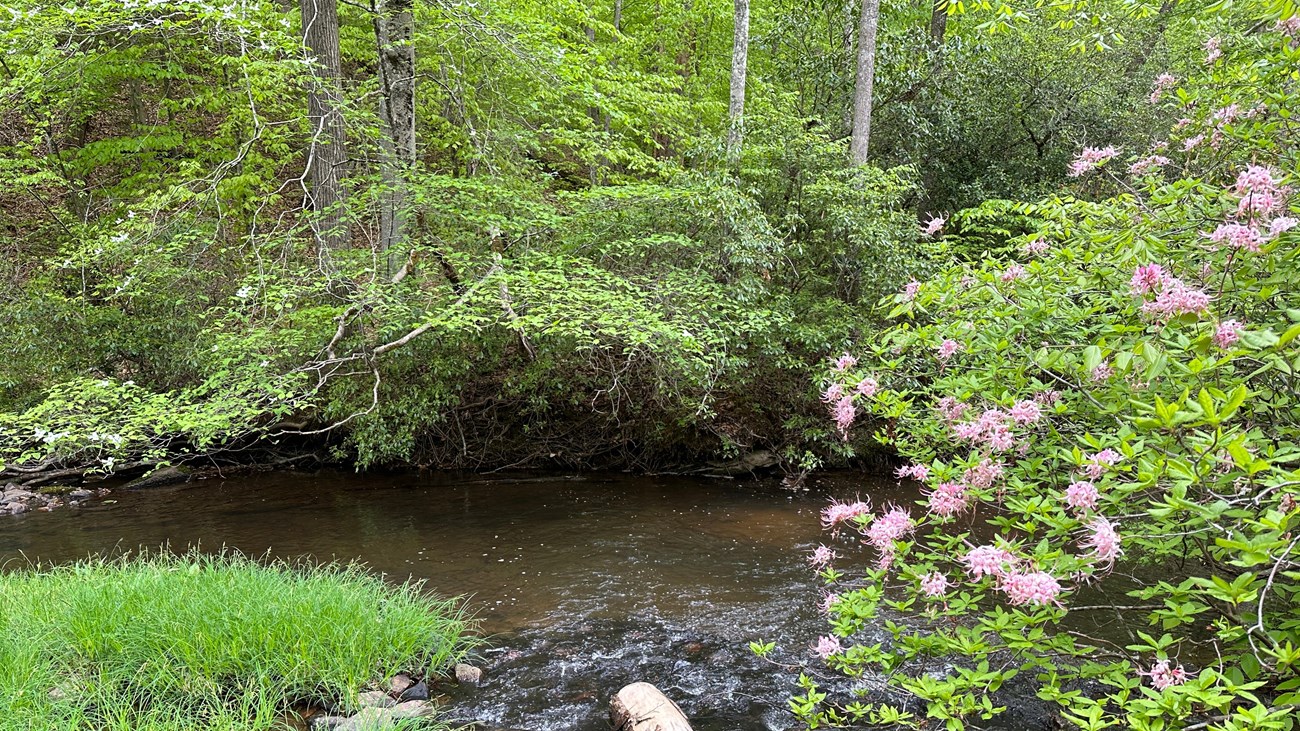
(161, 478)
(81, 494)
(369, 719)
(417, 692)
(467, 674)
(16, 508)
(399, 683)
(325, 723)
(643, 707)
(749, 462)
(375, 699)
(411, 709)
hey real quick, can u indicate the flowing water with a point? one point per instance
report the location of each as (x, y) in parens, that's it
(583, 583)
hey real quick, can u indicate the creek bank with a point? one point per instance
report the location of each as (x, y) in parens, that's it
(16, 500)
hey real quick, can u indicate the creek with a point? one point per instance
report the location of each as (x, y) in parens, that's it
(581, 583)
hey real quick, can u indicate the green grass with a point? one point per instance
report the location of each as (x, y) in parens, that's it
(162, 642)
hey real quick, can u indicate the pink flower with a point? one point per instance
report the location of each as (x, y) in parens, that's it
(950, 408)
(827, 646)
(1227, 115)
(918, 472)
(1253, 179)
(833, 392)
(910, 290)
(1148, 165)
(888, 528)
(1281, 225)
(1147, 278)
(1090, 159)
(1237, 236)
(1082, 495)
(934, 584)
(1030, 587)
(1191, 143)
(843, 363)
(1025, 412)
(867, 387)
(1036, 247)
(988, 561)
(947, 348)
(1163, 83)
(983, 475)
(1103, 372)
(1288, 27)
(934, 225)
(1103, 541)
(828, 602)
(838, 513)
(1012, 273)
(1162, 676)
(821, 557)
(1227, 334)
(948, 499)
(844, 414)
(1107, 457)
(1212, 50)
(1176, 298)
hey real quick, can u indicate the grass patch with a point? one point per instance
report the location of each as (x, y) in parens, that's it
(163, 642)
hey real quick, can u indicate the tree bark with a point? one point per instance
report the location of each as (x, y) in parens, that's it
(394, 28)
(938, 21)
(739, 66)
(862, 88)
(327, 152)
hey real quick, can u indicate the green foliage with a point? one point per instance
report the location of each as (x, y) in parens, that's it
(195, 641)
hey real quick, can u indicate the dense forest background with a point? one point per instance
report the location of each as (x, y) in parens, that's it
(513, 233)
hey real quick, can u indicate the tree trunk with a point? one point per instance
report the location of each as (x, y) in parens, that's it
(327, 152)
(938, 21)
(394, 28)
(866, 77)
(739, 64)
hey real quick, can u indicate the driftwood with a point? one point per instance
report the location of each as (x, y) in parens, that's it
(642, 707)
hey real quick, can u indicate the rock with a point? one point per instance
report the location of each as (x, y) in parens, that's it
(399, 683)
(417, 692)
(467, 674)
(642, 707)
(325, 723)
(17, 494)
(375, 699)
(161, 477)
(746, 463)
(16, 508)
(81, 494)
(412, 709)
(58, 694)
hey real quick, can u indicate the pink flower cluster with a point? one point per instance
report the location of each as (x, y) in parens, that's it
(1147, 165)
(843, 363)
(991, 429)
(1025, 412)
(988, 561)
(1173, 296)
(1082, 495)
(1012, 273)
(821, 557)
(1095, 465)
(918, 472)
(1212, 51)
(1102, 372)
(844, 413)
(1090, 159)
(947, 348)
(934, 225)
(838, 513)
(1103, 540)
(948, 499)
(934, 584)
(983, 475)
(827, 646)
(867, 387)
(1259, 190)
(1029, 587)
(1227, 334)
(1036, 247)
(889, 527)
(950, 409)
(1238, 236)
(910, 289)
(1162, 676)
(1163, 83)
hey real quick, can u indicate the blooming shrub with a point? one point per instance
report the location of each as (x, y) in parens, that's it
(1116, 414)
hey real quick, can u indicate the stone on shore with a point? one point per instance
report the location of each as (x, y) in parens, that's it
(467, 674)
(643, 707)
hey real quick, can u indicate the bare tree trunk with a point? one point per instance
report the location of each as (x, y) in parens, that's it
(327, 152)
(394, 28)
(739, 65)
(866, 77)
(938, 21)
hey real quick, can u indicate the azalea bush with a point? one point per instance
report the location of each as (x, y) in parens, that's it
(1104, 421)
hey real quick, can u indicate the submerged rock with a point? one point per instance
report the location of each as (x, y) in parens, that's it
(467, 674)
(161, 478)
(643, 707)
